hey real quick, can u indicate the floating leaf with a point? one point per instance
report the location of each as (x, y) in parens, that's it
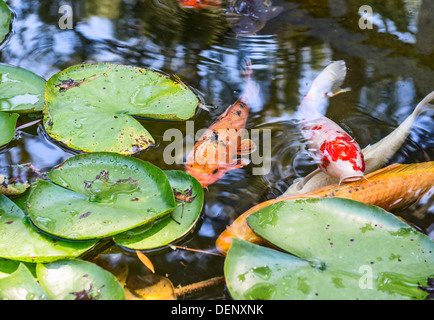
(21, 90)
(7, 267)
(21, 285)
(89, 107)
(99, 195)
(78, 280)
(179, 221)
(21, 241)
(5, 20)
(8, 122)
(339, 249)
(145, 260)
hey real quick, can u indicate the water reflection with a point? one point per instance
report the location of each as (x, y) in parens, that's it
(390, 69)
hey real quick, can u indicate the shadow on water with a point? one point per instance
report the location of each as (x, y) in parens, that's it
(390, 69)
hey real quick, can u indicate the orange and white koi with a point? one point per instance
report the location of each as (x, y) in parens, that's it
(215, 152)
(391, 187)
(335, 152)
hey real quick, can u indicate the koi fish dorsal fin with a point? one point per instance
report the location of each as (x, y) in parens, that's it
(246, 146)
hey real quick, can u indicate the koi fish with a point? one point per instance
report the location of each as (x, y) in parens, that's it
(249, 16)
(375, 156)
(214, 153)
(199, 4)
(334, 151)
(389, 188)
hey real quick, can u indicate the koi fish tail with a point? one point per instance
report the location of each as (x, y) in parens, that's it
(251, 89)
(326, 85)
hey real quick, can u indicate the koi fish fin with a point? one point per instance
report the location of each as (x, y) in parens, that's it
(247, 146)
(303, 181)
(237, 164)
(338, 91)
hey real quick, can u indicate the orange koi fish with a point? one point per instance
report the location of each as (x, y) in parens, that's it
(391, 187)
(335, 152)
(199, 4)
(214, 153)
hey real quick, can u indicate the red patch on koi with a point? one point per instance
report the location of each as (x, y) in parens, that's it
(343, 148)
(317, 127)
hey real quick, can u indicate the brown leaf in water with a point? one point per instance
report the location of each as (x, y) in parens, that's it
(145, 260)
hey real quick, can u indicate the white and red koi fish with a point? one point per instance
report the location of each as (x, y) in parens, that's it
(215, 152)
(335, 152)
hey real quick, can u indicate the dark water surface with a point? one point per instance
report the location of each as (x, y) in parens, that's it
(390, 69)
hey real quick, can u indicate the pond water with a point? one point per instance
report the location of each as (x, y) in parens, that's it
(390, 69)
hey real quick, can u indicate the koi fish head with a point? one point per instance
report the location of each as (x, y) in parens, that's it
(342, 158)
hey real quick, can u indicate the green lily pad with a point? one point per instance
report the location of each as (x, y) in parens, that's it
(78, 280)
(99, 195)
(7, 267)
(335, 249)
(5, 20)
(21, 241)
(8, 122)
(61, 280)
(89, 107)
(21, 285)
(177, 224)
(21, 90)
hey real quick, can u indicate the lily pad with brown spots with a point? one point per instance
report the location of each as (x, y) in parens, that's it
(331, 248)
(98, 195)
(90, 107)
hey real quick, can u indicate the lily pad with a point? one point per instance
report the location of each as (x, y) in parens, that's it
(21, 285)
(7, 267)
(89, 107)
(335, 249)
(21, 241)
(177, 224)
(21, 90)
(8, 122)
(61, 280)
(78, 280)
(99, 195)
(5, 20)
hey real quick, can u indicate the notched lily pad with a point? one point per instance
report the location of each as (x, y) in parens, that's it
(189, 194)
(334, 249)
(89, 107)
(99, 195)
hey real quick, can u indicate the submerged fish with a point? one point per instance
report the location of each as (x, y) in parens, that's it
(391, 187)
(214, 153)
(250, 16)
(334, 151)
(375, 156)
(199, 4)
